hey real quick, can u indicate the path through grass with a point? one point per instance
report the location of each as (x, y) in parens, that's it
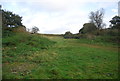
(66, 59)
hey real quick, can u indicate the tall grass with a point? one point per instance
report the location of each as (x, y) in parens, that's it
(102, 40)
(23, 44)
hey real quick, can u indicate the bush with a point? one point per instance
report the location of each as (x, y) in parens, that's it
(88, 28)
(107, 32)
(68, 35)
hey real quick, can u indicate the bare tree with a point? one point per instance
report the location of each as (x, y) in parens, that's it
(97, 18)
(35, 29)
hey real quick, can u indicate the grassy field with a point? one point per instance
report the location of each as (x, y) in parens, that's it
(53, 57)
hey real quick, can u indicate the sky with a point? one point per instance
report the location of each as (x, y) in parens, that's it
(59, 16)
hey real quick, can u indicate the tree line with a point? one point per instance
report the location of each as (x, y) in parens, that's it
(96, 26)
(12, 21)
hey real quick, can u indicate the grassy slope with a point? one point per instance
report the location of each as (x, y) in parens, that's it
(67, 58)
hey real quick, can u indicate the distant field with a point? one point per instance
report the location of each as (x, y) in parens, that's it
(63, 59)
(51, 34)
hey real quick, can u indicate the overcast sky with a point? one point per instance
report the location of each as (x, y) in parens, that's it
(59, 16)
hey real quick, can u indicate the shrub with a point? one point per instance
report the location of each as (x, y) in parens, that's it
(88, 28)
(68, 34)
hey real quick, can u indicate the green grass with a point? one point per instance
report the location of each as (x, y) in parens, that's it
(53, 57)
(23, 45)
(102, 41)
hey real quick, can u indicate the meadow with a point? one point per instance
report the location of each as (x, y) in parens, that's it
(34, 56)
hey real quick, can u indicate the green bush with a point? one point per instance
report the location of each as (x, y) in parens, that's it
(88, 28)
(68, 34)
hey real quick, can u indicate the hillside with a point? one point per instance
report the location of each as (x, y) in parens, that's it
(27, 56)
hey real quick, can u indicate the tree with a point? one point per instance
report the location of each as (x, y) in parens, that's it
(10, 20)
(97, 18)
(68, 34)
(88, 28)
(35, 29)
(115, 22)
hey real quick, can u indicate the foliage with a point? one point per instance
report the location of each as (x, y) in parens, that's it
(110, 32)
(35, 29)
(88, 28)
(9, 22)
(9, 19)
(115, 22)
(68, 34)
(97, 18)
